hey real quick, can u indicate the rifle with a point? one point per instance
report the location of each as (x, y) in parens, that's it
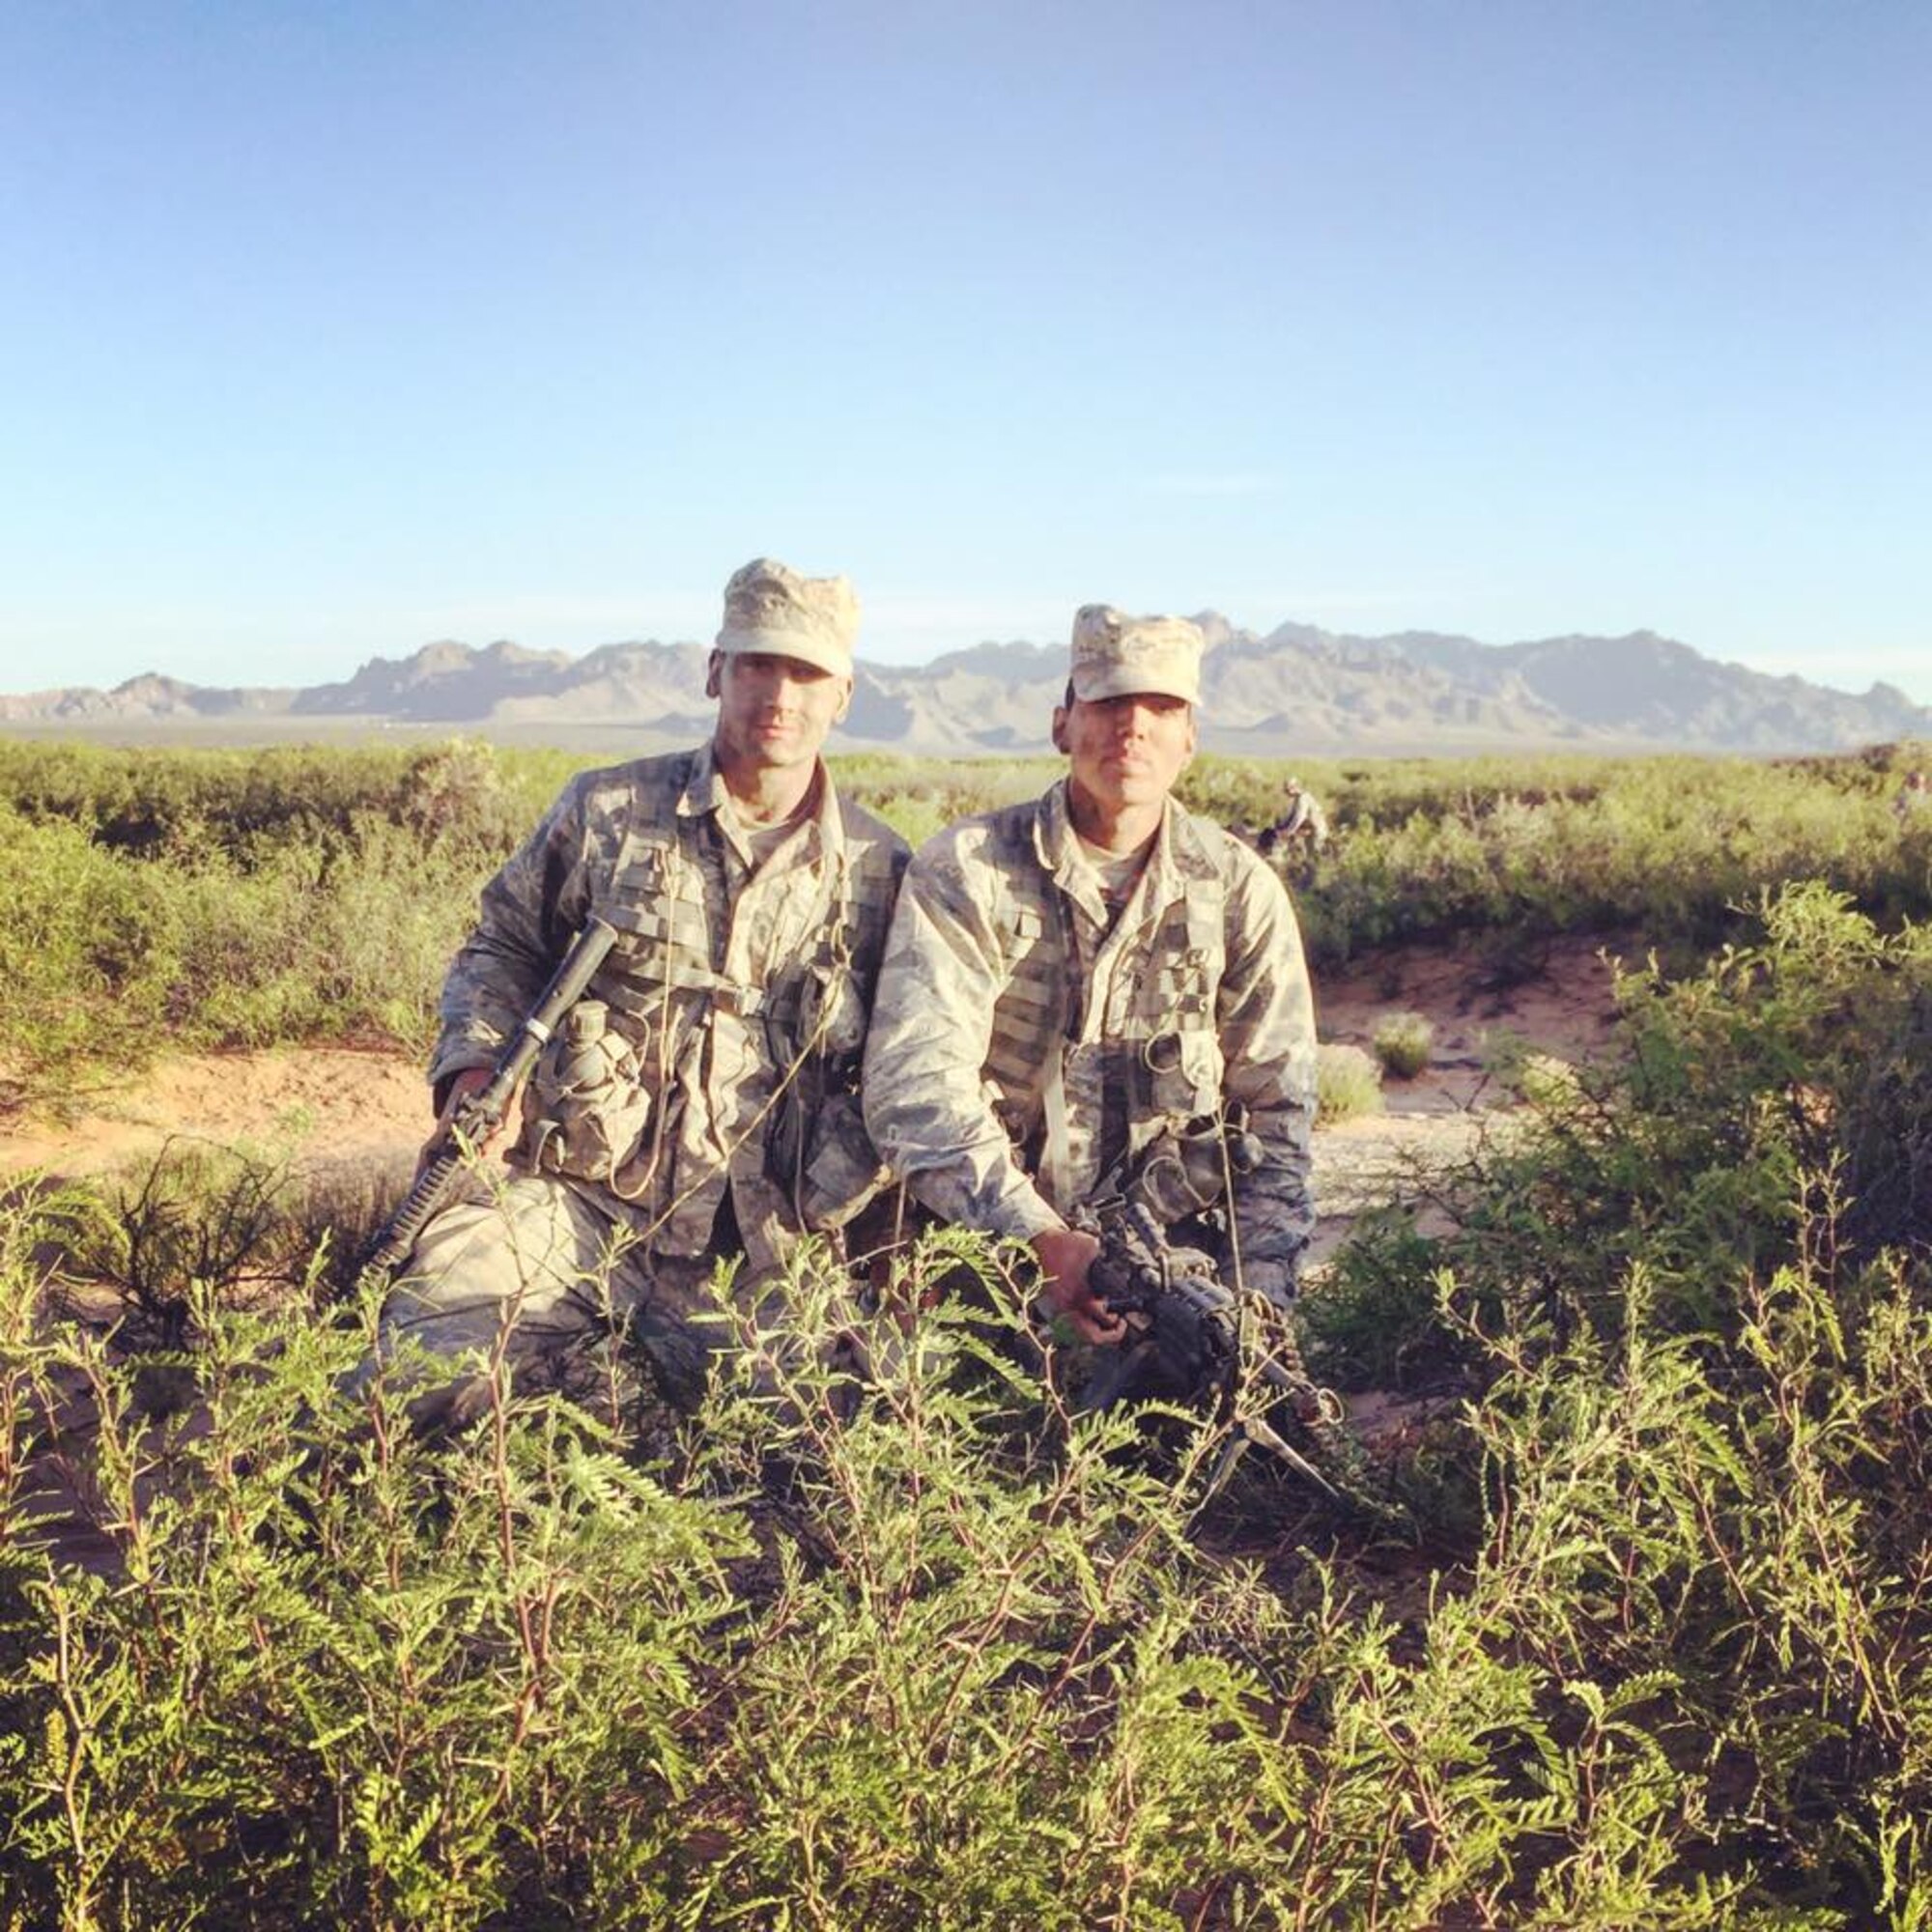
(482, 1113)
(1194, 1335)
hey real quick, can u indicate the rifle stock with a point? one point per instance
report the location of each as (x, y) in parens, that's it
(484, 1110)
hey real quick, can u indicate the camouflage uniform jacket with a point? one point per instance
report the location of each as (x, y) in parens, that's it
(1019, 1049)
(732, 1009)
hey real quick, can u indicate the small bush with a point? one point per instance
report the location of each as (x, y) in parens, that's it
(1347, 1083)
(1402, 1043)
(838, 1664)
(196, 1214)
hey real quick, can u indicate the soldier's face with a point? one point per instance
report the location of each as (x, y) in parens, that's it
(773, 712)
(1125, 751)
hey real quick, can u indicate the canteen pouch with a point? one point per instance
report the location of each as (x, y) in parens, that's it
(586, 1108)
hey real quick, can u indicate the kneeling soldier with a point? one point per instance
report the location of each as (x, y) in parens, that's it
(1072, 980)
(701, 1102)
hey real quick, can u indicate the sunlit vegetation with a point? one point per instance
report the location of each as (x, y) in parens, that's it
(1401, 1043)
(1652, 1648)
(1347, 1083)
(211, 898)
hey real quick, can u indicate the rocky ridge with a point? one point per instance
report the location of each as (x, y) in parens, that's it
(1296, 690)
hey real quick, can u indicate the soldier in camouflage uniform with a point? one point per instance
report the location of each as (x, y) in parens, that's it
(1304, 820)
(1069, 979)
(701, 1101)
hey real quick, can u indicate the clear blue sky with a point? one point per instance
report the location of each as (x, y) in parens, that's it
(331, 330)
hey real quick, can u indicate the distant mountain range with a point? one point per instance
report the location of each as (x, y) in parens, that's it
(1297, 691)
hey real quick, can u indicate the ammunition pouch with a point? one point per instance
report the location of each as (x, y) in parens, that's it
(1182, 1071)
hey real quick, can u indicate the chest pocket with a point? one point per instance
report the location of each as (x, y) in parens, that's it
(663, 926)
(1029, 1008)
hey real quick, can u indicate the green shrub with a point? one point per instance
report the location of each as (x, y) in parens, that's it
(847, 1655)
(1670, 845)
(836, 1662)
(1402, 1044)
(1347, 1083)
(1696, 1285)
(87, 948)
(215, 902)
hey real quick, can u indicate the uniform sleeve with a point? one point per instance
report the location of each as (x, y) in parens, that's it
(529, 913)
(925, 1098)
(1266, 1014)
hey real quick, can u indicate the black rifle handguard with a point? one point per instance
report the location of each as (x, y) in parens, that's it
(483, 1112)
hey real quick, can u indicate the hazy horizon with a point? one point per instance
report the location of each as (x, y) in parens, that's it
(866, 656)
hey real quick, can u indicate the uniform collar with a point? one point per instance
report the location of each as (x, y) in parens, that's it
(704, 795)
(1179, 859)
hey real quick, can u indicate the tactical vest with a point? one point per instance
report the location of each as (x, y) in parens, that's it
(1142, 1040)
(780, 1040)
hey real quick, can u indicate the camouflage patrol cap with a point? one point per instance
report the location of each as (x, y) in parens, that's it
(1118, 656)
(768, 607)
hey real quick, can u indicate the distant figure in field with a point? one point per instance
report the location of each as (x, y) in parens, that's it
(1305, 823)
(1913, 797)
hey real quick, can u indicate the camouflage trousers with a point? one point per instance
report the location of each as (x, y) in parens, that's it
(533, 1264)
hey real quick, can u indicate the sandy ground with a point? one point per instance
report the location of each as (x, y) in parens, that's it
(1557, 1001)
(323, 1107)
(329, 1110)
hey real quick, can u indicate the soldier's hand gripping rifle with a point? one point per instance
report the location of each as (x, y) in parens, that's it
(1193, 1336)
(479, 1116)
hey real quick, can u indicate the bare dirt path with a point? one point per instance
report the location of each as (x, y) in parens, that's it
(330, 1110)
